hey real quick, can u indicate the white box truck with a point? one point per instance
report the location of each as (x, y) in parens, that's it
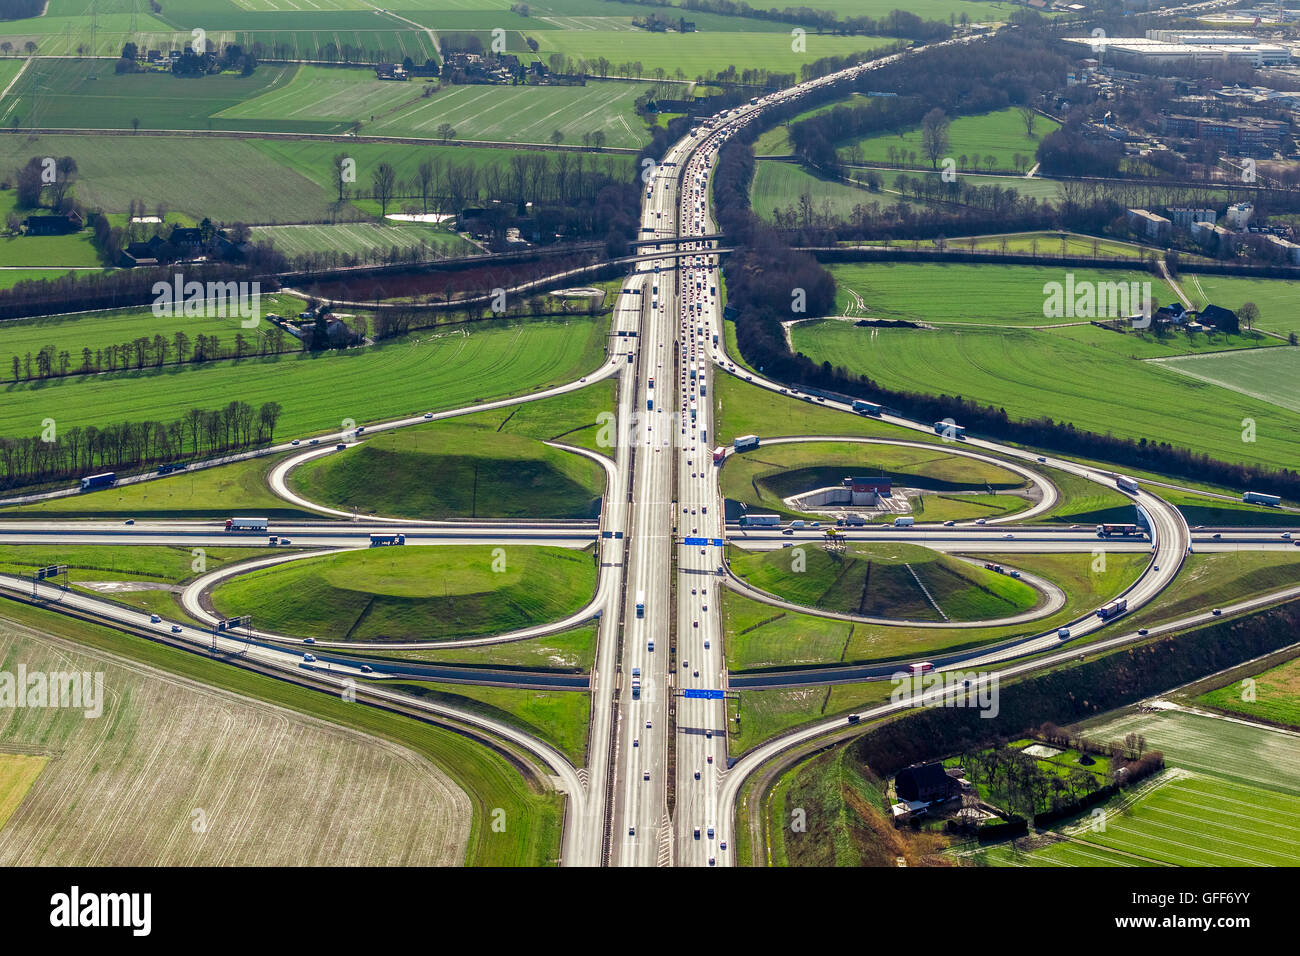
(905, 522)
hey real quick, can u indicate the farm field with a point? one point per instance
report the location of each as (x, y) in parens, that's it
(100, 330)
(1083, 375)
(482, 473)
(937, 293)
(1195, 818)
(1000, 135)
(419, 372)
(1276, 298)
(87, 94)
(521, 114)
(1271, 375)
(900, 581)
(779, 185)
(699, 54)
(362, 239)
(487, 778)
(227, 180)
(17, 774)
(413, 594)
(1036, 244)
(762, 636)
(116, 796)
(1274, 696)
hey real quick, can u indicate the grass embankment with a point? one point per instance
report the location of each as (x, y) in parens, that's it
(761, 636)
(238, 488)
(888, 580)
(484, 465)
(403, 594)
(953, 487)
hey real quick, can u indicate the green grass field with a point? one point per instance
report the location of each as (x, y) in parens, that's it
(780, 185)
(698, 54)
(228, 180)
(1084, 375)
(1276, 298)
(571, 651)
(1000, 134)
(419, 372)
(1040, 244)
(239, 488)
(884, 580)
(558, 717)
(490, 780)
(742, 409)
(413, 594)
(1203, 510)
(1086, 502)
(523, 114)
(1272, 697)
(1212, 579)
(99, 330)
(148, 577)
(962, 294)
(480, 473)
(363, 239)
(1270, 375)
(762, 636)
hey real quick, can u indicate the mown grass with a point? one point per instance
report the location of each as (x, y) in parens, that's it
(1272, 696)
(1087, 376)
(238, 488)
(403, 594)
(558, 717)
(762, 636)
(415, 373)
(454, 469)
(876, 580)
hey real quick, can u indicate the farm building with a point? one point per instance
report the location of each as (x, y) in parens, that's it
(926, 783)
(59, 224)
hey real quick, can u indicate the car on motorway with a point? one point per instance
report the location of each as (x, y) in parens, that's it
(631, 831)
(129, 521)
(949, 524)
(1008, 535)
(314, 441)
(176, 628)
(367, 669)
(308, 659)
(1142, 632)
(1041, 458)
(294, 442)
(646, 775)
(1216, 612)
(710, 831)
(309, 640)
(697, 833)
(155, 619)
(428, 414)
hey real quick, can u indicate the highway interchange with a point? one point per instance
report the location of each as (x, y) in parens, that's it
(659, 787)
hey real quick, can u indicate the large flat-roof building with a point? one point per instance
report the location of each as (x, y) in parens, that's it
(1180, 47)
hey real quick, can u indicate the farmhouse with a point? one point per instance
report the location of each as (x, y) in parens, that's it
(926, 783)
(391, 71)
(1225, 320)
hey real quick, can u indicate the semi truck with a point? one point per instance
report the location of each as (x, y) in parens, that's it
(867, 408)
(246, 524)
(1122, 530)
(745, 442)
(851, 520)
(949, 430)
(1259, 498)
(1113, 609)
(380, 540)
(168, 469)
(640, 604)
(106, 480)
(1125, 483)
(904, 522)
(719, 454)
(760, 521)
